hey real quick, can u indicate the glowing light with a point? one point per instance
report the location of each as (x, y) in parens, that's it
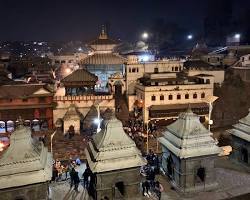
(97, 121)
(145, 35)
(237, 36)
(67, 70)
(1, 146)
(190, 37)
(145, 58)
(80, 49)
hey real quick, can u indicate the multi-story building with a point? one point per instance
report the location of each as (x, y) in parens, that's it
(136, 70)
(165, 95)
(242, 68)
(33, 102)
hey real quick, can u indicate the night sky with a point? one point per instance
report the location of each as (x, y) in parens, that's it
(57, 20)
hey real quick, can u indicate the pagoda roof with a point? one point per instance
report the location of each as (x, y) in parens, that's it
(242, 129)
(80, 75)
(187, 137)
(104, 59)
(25, 162)
(112, 149)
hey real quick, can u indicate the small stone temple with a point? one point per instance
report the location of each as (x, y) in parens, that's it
(188, 154)
(241, 141)
(72, 118)
(79, 82)
(25, 168)
(115, 162)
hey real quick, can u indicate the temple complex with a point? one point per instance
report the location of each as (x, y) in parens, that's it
(25, 168)
(189, 153)
(241, 141)
(104, 61)
(115, 161)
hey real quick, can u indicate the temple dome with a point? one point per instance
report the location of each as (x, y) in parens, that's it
(187, 137)
(112, 149)
(25, 162)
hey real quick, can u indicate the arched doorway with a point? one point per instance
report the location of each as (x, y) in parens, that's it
(244, 155)
(201, 174)
(119, 189)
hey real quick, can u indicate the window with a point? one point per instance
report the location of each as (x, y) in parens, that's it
(10, 100)
(42, 99)
(207, 81)
(186, 96)
(153, 98)
(179, 68)
(162, 97)
(170, 97)
(133, 70)
(129, 69)
(25, 100)
(156, 70)
(178, 96)
(172, 68)
(203, 95)
(176, 69)
(195, 96)
(137, 69)
(208, 60)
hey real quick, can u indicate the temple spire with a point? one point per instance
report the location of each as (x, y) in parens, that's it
(103, 34)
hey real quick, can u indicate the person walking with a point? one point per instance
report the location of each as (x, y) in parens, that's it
(158, 189)
(71, 174)
(76, 181)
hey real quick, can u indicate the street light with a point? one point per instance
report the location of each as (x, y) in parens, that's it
(145, 35)
(98, 119)
(51, 142)
(190, 37)
(209, 100)
(237, 36)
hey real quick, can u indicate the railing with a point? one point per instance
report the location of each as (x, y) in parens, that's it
(83, 98)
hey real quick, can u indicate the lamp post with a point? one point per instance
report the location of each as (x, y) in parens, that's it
(98, 120)
(51, 142)
(209, 100)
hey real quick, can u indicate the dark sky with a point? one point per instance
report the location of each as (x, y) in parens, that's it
(55, 20)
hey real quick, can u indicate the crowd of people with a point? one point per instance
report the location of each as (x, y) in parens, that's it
(150, 186)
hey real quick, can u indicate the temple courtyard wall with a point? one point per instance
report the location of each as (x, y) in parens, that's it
(82, 103)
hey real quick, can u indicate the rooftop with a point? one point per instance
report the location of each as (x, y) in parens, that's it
(187, 137)
(112, 149)
(104, 59)
(24, 90)
(25, 162)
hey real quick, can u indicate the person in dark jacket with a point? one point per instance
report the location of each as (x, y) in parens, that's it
(71, 173)
(76, 181)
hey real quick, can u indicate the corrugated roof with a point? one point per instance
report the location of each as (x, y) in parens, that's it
(104, 58)
(80, 75)
(197, 64)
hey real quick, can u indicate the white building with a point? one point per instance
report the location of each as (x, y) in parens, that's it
(165, 95)
(242, 68)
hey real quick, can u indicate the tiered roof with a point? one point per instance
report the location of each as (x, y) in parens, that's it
(242, 129)
(112, 149)
(104, 59)
(187, 137)
(25, 162)
(80, 77)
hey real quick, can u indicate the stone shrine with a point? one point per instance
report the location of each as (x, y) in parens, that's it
(115, 162)
(189, 153)
(25, 168)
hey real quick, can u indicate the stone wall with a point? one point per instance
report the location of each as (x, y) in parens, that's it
(238, 144)
(106, 183)
(29, 192)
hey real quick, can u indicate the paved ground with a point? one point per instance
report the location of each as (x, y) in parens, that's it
(231, 183)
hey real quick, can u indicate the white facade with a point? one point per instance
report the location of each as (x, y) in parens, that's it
(134, 71)
(160, 95)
